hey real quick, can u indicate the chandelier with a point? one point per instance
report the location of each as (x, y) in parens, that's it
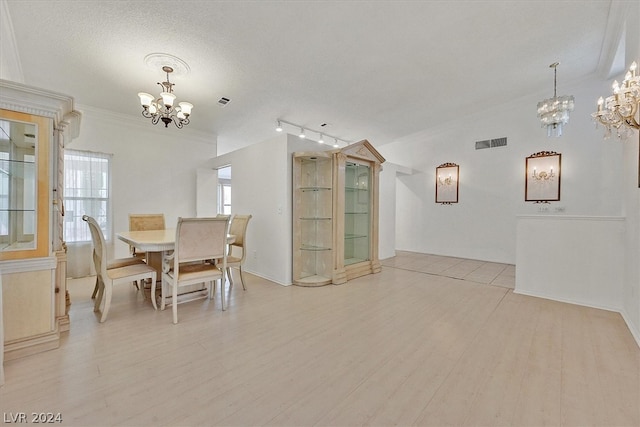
(163, 108)
(554, 112)
(619, 110)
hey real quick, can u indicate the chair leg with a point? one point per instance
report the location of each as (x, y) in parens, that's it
(241, 278)
(108, 290)
(222, 291)
(230, 277)
(153, 295)
(99, 296)
(174, 302)
(163, 294)
(95, 289)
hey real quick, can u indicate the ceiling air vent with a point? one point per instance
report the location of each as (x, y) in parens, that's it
(483, 144)
(499, 142)
(491, 143)
(223, 101)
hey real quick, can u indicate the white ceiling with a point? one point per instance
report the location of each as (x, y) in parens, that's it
(379, 70)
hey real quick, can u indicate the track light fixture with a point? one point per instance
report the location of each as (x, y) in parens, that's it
(302, 133)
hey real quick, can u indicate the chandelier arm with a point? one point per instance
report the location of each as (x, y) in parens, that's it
(163, 112)
(631, 122)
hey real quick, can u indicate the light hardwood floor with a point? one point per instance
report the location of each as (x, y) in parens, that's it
(421, 343)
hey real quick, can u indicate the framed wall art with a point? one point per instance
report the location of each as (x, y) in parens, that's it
(447, 181)
(542, 179)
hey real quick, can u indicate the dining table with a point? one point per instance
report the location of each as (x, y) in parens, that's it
(157, 244)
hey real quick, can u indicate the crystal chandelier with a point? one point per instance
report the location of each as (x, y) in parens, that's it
(619, 110)
(163, 108)
(554, 112)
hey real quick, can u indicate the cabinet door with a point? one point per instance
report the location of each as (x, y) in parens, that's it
(24, 189)
(313, 222)
(357, 212)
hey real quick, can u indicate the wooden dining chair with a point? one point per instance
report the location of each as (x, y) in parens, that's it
(109, 277)
(237, 251)
(142, 222)
(197, 241)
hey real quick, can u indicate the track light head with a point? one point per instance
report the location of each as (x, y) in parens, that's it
(302, 135)
(321, 140)
(278, 126)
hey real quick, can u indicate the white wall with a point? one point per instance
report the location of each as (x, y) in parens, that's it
(153, 170)
(388, 207)
(631, 194)
(483, 224)
(576, 259)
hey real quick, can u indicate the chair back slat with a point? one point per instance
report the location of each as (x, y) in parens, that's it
(200, 239)
(142, 222)
(239, 229)
(99, 245)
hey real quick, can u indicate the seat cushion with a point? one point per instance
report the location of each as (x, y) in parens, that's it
(132, 271)
(199, 271)
(123, 262)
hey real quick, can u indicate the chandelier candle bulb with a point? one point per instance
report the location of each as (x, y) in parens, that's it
(618, 112)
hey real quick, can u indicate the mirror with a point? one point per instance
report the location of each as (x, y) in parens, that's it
(18, 185)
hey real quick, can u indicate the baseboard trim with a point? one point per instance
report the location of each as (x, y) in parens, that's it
(32, 345)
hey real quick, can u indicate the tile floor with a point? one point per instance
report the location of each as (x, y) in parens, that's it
(490, 273)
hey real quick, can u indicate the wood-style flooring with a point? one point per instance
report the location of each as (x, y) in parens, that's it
(421, 343)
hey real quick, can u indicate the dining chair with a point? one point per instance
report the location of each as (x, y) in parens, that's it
(197, 241)
(143, 222)
(115, 263)
(237, 251)
(109, 277)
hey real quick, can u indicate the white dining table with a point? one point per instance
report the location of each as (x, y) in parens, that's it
(155, 240)
(156, 244)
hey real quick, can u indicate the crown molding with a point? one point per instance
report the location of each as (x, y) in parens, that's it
(41, 102)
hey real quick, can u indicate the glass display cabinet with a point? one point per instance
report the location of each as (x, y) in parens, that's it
(335, 214)
(35, 124)
(313, 219)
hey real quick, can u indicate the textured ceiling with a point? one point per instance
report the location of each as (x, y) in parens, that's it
(379, 70)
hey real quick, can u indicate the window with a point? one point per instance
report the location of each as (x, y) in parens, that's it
(86, 192)
(224, 190)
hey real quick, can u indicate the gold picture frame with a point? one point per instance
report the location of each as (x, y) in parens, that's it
(447, 183)
(542, 177)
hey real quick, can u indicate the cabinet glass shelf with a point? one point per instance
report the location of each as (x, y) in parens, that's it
(313, 224)
(314, 248)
